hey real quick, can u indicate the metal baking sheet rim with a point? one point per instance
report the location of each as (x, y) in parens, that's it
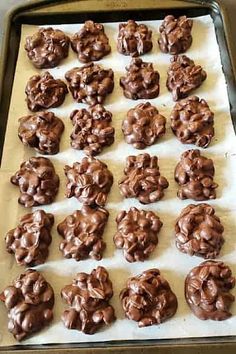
(195, 345)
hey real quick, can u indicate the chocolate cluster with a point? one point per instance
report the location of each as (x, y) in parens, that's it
(141, 80)
(198, 231)
(192, 121)
(89, 181)
(88, 296)
(195, 176)
(92, 129)
(136, 234)
(134, 39)
(148, 299)
(30, 240)
(175, 34)
(91, 42)
(29, 302)
(143, 125)
(47, 47)
(44, 92)
(183, 76)
(37, 181)
(142, 179)
(41, 131)
(207, 290)
(90, 83)
(82, 233)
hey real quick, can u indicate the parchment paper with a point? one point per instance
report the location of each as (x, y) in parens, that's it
(173, 265)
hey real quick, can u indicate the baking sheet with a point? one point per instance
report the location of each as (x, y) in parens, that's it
(174, 265)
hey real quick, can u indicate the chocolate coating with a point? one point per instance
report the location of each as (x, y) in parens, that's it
(142, 179)
(207, 290)
(195, 176)
(88, 296)
(29, 302)
(89, 181)
(92, 130)
(91, 43)
(141, 80)
(134, 39)
(183, 76)
(148, 299)
(41, 131)
(136, 234)
(47, 47)
(143, 125)
(37, 181)
(199, 232)
(90, 83)
(82, 232)
(175, 34)
(44, 92)
(192, 121)
(30, 240)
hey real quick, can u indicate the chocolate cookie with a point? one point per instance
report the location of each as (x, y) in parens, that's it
(207, 290)
(30, 240)
(142, 179)
(41, 131)
(37, 181)
(134, 39)
(90, 83)
(92, 130)
(91, 42)
(175, 34)
(88, 297)
(195, 176)
(141, 80)
(29, 302)
(148, 299)
(136, 234)
(89, 181)
(192, 121)
(82, 232)
(183, 76)
(143, 125)
(47, 47)
(43, 92)
(199, 232)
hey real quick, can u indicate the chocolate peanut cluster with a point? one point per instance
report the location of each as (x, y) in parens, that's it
(89, 181)
(141, 80)
(134, 39)
(37, 181)
(91, 42)
(30, 240)
(143, 125)
(82, 232)
(175, 34)
(198, 231)
(207, 290)
(142, 179)
(47, 47)
(137, 232)
(90, 83)
(192, 121)
(29, 302)
(92, 130)
(44, 92)
(195, 176)
(88, 296)
(183, 76)
(148, 299)
(41, 131)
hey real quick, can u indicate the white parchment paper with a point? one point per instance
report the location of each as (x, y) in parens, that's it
(173, 264)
